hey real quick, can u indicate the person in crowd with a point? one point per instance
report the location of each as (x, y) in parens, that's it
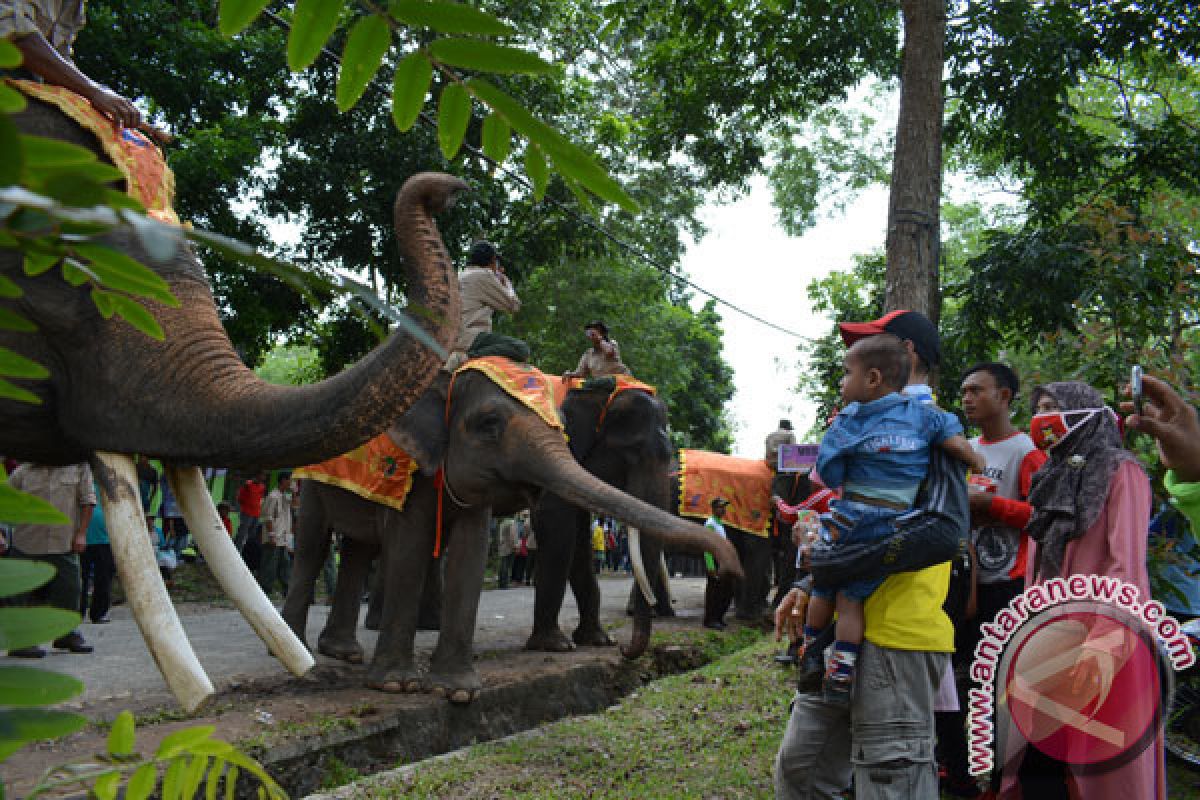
(1174, 424)
(998, 546)
(520, 564)
(623, 563)
(718, 592)
(905, 653)
(1177, 569)
(147, 483)
(611, 559)
(164, 555)
(531, 546)
(877, 452)
(174, 526)
(780, 436)
(484, 289)
(249, 499)
(70, 490)
(506, 548)
(96, 569)
(223, 512)
(598, 546)
(602, 358)
(1091, 510)
(276, 566)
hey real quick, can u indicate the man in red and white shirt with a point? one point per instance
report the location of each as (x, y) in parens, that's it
(999, 546)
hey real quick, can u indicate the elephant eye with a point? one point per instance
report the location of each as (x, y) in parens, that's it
(488, 424)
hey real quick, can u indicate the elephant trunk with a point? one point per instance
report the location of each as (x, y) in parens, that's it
(554, 469)
(219, 412)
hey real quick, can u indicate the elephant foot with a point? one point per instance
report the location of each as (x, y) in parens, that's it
(395, 681)
(592, 636)
(372, 621)
(458, 687)
(343, 650)
(554, 641)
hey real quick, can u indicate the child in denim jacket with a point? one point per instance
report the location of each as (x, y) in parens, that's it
(877, 451)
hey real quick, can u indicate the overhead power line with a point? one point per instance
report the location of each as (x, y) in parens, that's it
(522, 181)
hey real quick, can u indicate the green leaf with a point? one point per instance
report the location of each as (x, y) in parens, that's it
(9, 288)
(142, 782)
(121, 737)
(18, 366)
(70, 190)
(582, 168)
(17, 575)
(118, 271)
(409, 87)
(366, 45)
(535, 168)
(106, 785)
(27, 686)
(581, 196)
(497, 138)
(312, 24)
(14, 392)
(180, 741)
(14, 157)
(12, 321)
(138, 316)
(234, 16)
(95, 171)
(37, 261)
(103, 301)
(213, 781)
(172, 785)
(231, 777)
(487, 57)
(454, 112)
(11, 101)
(194, 775)
(40, 152)
(10, 54)
(31, 725)
(25, 627)
(76, 273)
(446, 17)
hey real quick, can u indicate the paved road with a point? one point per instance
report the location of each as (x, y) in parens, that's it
(122, 671)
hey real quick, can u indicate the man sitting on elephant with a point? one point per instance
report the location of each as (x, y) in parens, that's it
(485, 290)
(602, 358)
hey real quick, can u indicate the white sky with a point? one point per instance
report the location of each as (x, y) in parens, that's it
(747, 259)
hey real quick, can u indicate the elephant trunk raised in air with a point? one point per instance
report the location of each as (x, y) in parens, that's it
(190, 399)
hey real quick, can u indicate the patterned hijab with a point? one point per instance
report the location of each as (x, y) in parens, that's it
(1069, 491)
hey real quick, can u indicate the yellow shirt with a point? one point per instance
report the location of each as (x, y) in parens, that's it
(905, 613)
(598, 539)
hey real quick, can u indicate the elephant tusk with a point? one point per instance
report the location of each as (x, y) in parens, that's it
(138, 569)
(639, 568)
(666, 576)
(231, 572)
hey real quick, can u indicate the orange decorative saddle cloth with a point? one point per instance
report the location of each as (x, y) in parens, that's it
(148, 179)
(623, 383)
(378, 471)
(527, 384)
(744, 482)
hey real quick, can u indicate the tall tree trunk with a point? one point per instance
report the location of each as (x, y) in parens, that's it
(913, 233)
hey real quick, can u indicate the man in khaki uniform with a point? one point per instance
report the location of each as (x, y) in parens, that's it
(278, 544)
(782, 435)
(70, 490)
(484, 289)
(603, 358)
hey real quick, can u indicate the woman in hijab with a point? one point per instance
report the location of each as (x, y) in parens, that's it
(1091, 510)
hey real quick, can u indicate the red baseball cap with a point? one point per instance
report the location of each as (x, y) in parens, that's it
(911, 326)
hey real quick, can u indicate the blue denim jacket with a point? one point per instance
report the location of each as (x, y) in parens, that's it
(884, 442)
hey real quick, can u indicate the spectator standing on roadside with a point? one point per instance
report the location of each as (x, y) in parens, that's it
(249, 499)
(530, 546)
(506, 548)
(147, 482)
(276, 566)
(96, 570)
(718, 592)
(70, 490)
(598, 547)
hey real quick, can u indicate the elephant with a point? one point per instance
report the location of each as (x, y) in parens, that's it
(189, 400)
(622, 439)
(494, 452)
(755, 547)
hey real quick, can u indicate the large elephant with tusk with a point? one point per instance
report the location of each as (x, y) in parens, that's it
(189, 400)
(617, 430)
(479, 448)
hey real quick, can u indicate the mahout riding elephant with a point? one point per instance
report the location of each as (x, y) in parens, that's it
(189, 400)
(494, 452)
(620, 436)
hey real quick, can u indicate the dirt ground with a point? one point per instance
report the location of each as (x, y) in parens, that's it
(279, 717)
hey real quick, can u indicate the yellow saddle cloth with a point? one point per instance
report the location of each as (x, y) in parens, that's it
(744, 482)
(148, 179)
(527, 384)
(378, 471)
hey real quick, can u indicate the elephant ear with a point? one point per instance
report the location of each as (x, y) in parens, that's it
(421, 432)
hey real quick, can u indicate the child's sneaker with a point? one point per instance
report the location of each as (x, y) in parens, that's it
(837, 688)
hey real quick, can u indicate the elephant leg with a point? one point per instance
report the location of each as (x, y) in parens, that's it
(785, 568)
(338, 638)
(586, 588)
(312, 546)
(407, 551)
(561, 532)
(375, 600)
(451, 670)
(429, 617)
(751, 593)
